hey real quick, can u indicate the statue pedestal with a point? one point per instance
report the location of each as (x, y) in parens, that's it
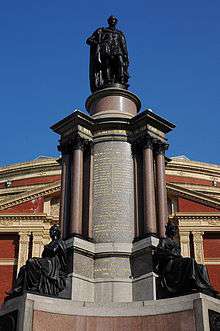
(111, 272)
(195, 312)
(109, 198)
(113, 102)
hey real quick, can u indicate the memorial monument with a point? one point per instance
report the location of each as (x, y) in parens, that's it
(113, 214)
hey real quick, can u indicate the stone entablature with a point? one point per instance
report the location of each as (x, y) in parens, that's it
(36, 168)
(198, 176)
(25, 226)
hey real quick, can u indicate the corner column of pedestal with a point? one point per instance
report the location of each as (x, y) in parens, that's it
(149, 189)
(65, 192)
(162, 210)
(90, 223)
(75, 227)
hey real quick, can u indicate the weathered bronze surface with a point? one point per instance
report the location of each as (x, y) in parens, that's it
(108, 57)
(179, 275)
(45, 275)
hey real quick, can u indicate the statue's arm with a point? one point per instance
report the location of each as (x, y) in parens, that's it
(124, 47)
(94, 39)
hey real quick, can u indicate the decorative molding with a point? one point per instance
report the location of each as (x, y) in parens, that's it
(194, 167)
(212, 261)
(194, 196)
(30, 195)
(8, 261)
(35, 168)
(160, 147)
(4, 218)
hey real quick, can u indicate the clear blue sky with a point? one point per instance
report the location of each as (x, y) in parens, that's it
(174, 50)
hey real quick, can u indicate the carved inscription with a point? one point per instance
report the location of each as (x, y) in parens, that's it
(113, 192)
(114, 267)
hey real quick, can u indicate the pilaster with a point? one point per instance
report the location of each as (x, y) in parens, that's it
(185, 244)
(37, 244)
(23, 248)
(198, 246)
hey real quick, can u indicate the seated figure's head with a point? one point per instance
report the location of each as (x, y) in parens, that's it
(55, 232)
(171, 230)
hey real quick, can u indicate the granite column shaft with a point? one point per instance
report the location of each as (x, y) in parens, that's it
(65, 195)
(76, 190)
(149, 189)
(162, 211)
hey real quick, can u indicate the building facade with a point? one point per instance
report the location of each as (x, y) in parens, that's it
(30, 202)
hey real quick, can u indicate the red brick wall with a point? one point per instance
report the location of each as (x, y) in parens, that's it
(185, 205)
(188, 180)
(214, 275)
(32, 206)
(211, 245)
(7, 276)
(8, 249)
(8, 246)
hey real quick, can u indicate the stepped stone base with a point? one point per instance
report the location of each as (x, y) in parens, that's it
(110, 272)
(195, 312)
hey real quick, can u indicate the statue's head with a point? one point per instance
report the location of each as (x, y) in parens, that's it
(171, 230)
(55, 232)
(112, 21)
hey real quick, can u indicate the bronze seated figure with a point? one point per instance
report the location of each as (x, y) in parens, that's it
(46, 274)
(179, 275)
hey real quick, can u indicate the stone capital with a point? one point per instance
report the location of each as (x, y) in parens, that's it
(73, 143)
(78, 143)
(148, 143)
(64, 147)
(24, 236)
(160, 147)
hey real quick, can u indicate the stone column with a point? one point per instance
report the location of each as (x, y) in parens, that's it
(90, 231)
(136, 209)
(184, 243)
(162, 211)
(23, 248)
(198, 246)
(113, 212)
(76, 188)
(37, 244)
(149, 189)
(65, 195)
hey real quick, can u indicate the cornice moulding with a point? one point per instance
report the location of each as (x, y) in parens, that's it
(30, 195)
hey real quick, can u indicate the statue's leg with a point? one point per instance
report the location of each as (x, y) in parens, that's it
(108, 70)
(120, 69)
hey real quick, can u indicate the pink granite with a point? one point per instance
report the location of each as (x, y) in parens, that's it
(181, 321)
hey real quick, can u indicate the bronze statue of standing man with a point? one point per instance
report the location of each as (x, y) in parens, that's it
(108, 57)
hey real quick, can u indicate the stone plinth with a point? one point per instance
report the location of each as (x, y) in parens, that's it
(108, 191)
(113, 102)
(192, 312)
(110, 272)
